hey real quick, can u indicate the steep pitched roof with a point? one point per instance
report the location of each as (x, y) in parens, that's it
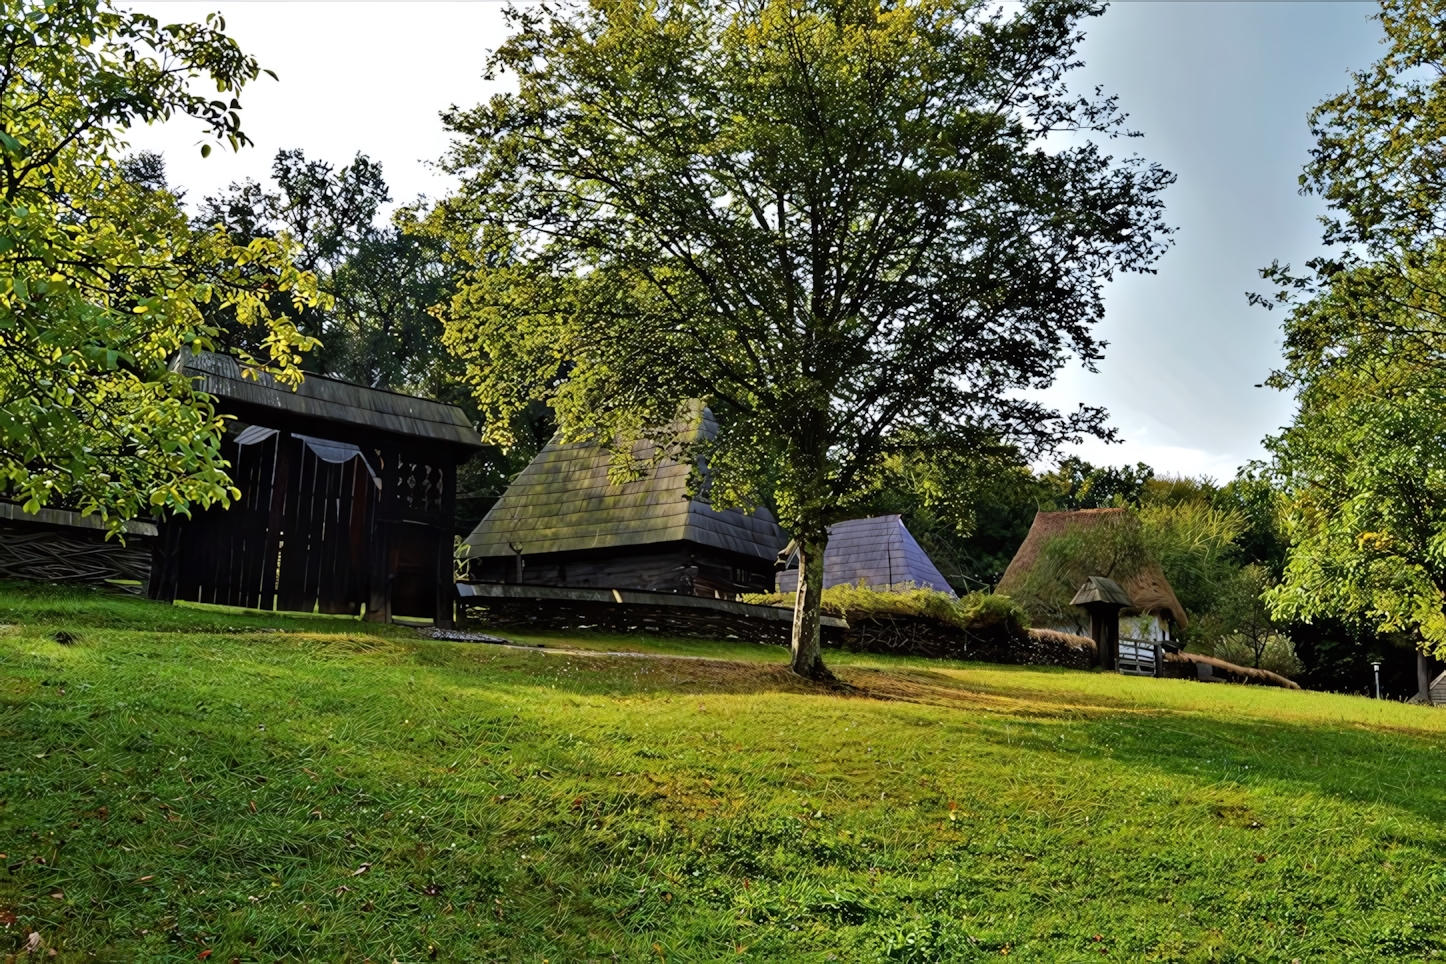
(331, 400)
(879, 551)
(563, 502)
(1150, 590)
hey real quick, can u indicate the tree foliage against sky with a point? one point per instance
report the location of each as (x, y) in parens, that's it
(841, 224)
(1364, 461)
(102, 279)
(377, 328)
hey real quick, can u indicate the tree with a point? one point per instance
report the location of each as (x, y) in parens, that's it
(854, 229)
(1363, 463)
(102, 280)
(1076, 484)
(378, 329)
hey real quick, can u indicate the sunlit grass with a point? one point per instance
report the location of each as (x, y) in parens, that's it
(178, 781)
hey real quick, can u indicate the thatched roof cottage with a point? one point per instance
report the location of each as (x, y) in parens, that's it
(1044, 580)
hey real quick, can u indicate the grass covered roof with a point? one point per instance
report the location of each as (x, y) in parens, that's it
(1141, 577)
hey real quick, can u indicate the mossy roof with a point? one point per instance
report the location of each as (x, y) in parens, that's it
(563, 502)
(331, 400)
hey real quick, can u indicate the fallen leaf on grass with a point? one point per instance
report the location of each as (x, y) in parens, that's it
(58, 895)
(7, 918)
(204, 954)
(361, 870)
(32, 945)
(142, 880)
(343, 889)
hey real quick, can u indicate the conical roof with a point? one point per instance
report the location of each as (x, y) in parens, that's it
(877, 551)
(563, 502)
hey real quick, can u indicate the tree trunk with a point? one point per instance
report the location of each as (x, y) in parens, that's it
(808, 611)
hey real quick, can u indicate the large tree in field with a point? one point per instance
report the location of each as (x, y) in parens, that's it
(102, 279)
(856, 230)
(1364, 461)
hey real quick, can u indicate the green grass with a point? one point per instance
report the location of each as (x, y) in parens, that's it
(176, 781)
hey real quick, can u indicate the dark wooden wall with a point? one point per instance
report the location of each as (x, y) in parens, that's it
(314, 536)
(675, 567)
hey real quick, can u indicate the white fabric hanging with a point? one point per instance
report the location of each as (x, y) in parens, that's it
(253, 434)
(337, 453)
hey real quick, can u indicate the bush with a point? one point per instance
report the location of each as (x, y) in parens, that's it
(977, 611)
(1277, 653)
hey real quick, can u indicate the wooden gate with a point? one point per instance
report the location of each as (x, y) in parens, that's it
(297, 540)
(1139, 657)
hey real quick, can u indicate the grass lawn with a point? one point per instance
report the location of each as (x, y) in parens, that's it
(179, 784)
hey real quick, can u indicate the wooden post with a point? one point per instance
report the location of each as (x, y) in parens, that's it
(1105, 631)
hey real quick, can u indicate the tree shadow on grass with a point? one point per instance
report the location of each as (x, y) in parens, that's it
(1348, 762)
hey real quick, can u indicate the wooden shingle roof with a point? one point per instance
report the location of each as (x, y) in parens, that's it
(878, 551)
(331, 400)
(563, 502)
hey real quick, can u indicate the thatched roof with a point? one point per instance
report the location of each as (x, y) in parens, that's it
(563, 502)
(1148, 588)
(331, 400)
(878, 551)
(1248, 674)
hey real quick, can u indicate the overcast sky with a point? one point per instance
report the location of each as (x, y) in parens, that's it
(1220, 90)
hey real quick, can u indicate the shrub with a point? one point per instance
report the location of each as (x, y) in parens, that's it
(976, 611)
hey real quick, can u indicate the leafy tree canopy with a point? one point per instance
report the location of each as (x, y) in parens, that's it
(377, 329)
(101, 278)
(841, 224)
(1363, 464)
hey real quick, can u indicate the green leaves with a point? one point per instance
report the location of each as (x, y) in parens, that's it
(101, 276)
(1363, 461)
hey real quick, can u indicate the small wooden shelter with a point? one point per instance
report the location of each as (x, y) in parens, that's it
(1149, 590)
(562, 523)
(877, 551)
(347, 500)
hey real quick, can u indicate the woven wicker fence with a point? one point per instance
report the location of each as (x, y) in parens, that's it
(55, 555)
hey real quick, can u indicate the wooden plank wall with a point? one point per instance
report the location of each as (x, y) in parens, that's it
(297, 540)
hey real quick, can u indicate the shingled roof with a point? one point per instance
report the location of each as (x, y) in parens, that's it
(1148, 587)
(563, 502)
(332, 400)
(877, 551)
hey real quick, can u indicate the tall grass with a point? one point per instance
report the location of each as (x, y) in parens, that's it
(973, 611)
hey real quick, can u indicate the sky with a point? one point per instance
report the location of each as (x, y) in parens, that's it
(1219, 89)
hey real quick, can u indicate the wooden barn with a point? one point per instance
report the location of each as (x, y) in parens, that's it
(563, 524)
(877, 551)
(1156, 610)
(347, 501)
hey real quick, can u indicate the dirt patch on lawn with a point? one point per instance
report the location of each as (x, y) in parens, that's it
(696, 674)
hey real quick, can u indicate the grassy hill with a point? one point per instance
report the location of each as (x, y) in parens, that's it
(182, 785)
